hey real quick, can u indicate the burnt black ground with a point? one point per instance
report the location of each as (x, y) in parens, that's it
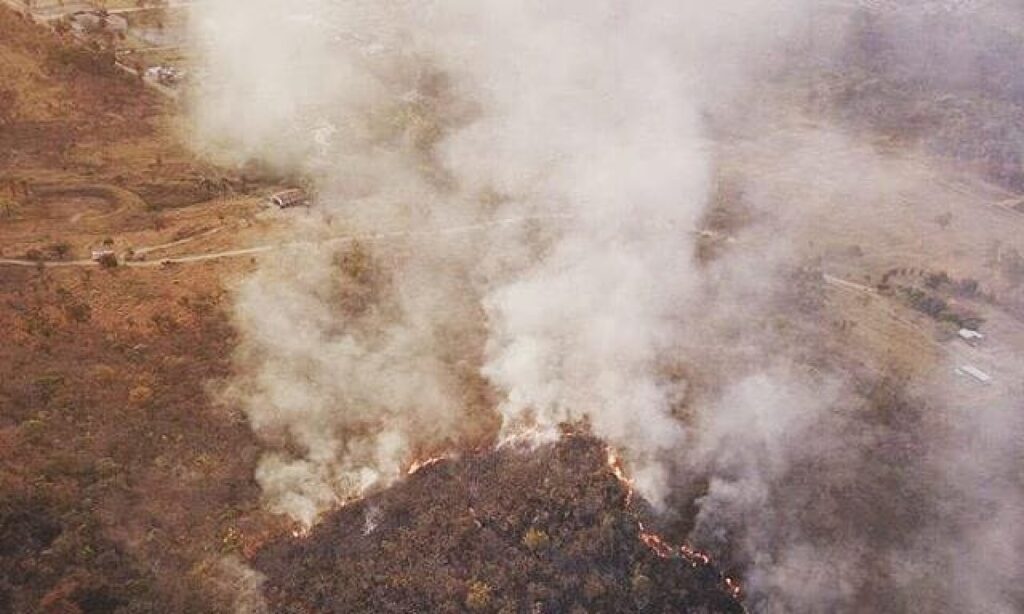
(507, 531)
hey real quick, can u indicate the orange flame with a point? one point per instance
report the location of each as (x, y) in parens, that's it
(301, 531)
(615, 464)
(696, 557)
(419, 465)
(654, 541)
(733, 587)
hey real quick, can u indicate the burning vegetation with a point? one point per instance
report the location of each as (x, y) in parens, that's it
(555, 530)
(654, 541)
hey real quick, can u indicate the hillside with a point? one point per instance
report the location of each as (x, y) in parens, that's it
(548, 531)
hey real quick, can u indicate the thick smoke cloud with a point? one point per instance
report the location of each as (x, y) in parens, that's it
(411, 115)
(591, 129)
(580, 332)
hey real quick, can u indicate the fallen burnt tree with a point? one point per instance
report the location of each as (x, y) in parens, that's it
(505, 531)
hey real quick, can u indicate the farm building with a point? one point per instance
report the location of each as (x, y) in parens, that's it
(99, 254)
(975, 372)
(165, 75)
(970, 336)
(290, 198)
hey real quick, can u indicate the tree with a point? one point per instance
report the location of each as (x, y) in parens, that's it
(108, 261)
(60, 250)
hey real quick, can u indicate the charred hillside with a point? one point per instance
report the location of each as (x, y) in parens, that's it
(505, 531)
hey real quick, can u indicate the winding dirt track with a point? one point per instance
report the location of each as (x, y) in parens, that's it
(122, 200)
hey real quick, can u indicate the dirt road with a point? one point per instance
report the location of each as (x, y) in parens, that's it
(259, 249)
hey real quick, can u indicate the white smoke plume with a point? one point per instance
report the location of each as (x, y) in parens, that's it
(585, 126)
(580, 333)
(422, 114)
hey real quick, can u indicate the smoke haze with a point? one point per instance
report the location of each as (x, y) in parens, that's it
(451, 115)
(592, 131)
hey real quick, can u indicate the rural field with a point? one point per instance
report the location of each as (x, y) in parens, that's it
(511, 307)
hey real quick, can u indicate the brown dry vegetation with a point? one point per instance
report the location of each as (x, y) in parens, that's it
(117, 477)
(120, 482)
(74, 114)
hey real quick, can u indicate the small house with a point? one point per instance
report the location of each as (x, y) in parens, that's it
(975, 372)
(165, 75)
(290, 198)
(970, 336)
(101, 254)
